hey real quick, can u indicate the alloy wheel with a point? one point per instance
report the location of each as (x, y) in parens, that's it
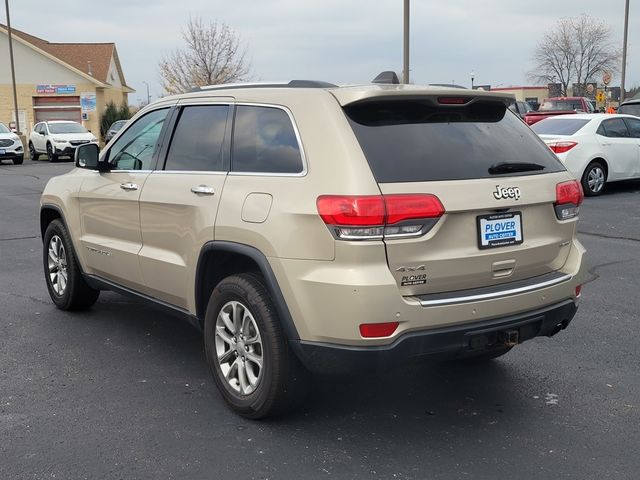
(238, 347)
(57, 263)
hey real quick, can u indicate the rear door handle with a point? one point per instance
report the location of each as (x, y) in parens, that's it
(203, 189)
(128, 186)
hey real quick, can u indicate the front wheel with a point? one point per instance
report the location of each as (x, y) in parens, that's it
(65, 283)
(593, 179)
(247, 351)
(50, 153)
(32, 152)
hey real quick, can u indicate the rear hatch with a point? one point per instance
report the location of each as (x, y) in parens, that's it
(495, 179)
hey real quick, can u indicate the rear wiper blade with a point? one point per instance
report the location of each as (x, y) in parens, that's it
(509, 167)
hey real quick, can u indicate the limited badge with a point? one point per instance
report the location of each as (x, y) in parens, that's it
(410, 280)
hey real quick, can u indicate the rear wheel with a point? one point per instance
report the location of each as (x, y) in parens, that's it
(247, 351)
(593, 179)
(67, 288)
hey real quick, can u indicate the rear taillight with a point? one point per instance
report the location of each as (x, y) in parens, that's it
(372, 217)
(569, 196)
(561, 147)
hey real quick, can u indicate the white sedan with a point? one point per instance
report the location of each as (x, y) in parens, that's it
(596, 148)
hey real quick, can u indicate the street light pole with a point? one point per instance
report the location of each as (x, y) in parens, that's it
(624, 49)
(148, 96)
(473, 76)
(13, 71)
(405, 67)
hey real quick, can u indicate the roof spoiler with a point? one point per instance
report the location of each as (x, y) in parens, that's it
(387, 78)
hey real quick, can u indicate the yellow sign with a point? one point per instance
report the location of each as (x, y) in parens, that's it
(600, 97)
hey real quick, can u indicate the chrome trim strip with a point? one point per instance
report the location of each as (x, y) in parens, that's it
(489, 296)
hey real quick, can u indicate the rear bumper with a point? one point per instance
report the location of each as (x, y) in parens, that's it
(442, 342)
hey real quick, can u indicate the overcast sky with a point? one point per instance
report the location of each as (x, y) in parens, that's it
(345, 41)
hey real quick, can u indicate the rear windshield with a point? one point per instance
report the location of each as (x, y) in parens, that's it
(631, 109)
(415, 141)
(559, 126)
(561, 105)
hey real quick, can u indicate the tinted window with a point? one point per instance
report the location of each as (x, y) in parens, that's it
(197, 140)
(134, 148)
(634, 127)
(414, 141)
(558, 126)
(561, 105)
(264, 141)
(630, 109)
(67, 127)
(615, 128)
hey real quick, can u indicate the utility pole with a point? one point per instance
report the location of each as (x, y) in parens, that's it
(148, 96)
(13, 71)
(624, 49)
(405, 67)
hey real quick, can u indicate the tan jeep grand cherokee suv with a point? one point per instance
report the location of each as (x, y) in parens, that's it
(308, 227)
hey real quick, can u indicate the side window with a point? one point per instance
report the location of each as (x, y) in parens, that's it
(197, 141)
(615, 128)
(264, 141)
(634, 127)
(134, 148)
(37, 128)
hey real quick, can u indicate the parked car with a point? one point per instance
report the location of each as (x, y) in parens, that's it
(113, 129)
(11, 147)
(310, 227)
(630, 107)
(596, 148)
(520, 108)
(58, 138)
(552, 107)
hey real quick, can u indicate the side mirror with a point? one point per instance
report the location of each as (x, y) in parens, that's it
(86, 156)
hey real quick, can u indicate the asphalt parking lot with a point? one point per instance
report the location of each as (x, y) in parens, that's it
(123, 390)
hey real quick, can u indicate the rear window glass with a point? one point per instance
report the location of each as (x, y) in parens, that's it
(559, 126)
(416, 141)
(632, 109)
(561, 105)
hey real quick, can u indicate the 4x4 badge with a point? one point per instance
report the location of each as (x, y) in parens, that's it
(506, 192)
(410, 269)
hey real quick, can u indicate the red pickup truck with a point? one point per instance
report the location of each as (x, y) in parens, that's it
(560, 106)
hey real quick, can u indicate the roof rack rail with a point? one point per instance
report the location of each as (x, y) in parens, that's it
(291, 84)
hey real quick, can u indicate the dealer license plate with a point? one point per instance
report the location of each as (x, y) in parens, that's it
(499, 230)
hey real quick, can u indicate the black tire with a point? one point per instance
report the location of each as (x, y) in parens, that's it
(282, 382)
(18, 160)
(52, 157)
(485, 355)
(591, 184)
(32, 152)
(75, 294)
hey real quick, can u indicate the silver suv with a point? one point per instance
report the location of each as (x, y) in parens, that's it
(306, 227)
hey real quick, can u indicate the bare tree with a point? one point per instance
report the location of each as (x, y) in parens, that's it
(213, 55)
(577, 50)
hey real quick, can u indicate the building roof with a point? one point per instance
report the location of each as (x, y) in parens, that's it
(92, 59)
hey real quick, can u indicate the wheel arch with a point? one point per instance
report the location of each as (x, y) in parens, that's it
(49, 213)
(219, 259)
